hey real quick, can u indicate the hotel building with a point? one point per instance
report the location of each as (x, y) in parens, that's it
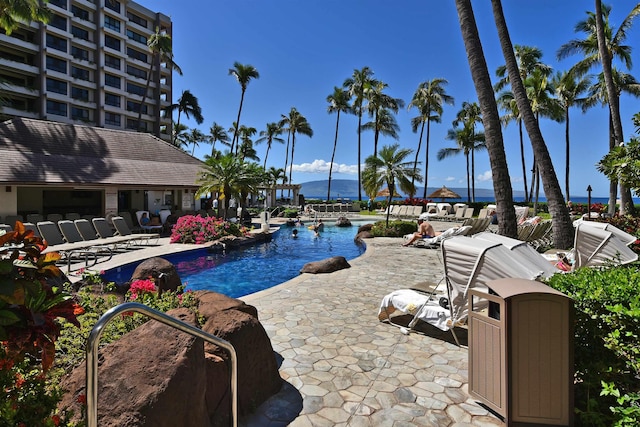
(89, 66)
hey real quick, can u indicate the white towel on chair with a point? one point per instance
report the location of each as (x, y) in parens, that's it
(417, 304)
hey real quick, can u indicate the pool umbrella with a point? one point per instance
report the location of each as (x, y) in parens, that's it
(385, 193)
(444, 193)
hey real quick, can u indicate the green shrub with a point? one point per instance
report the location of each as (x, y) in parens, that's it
(396, 228)
(607, 355)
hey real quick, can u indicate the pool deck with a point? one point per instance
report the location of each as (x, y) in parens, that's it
(341, 365)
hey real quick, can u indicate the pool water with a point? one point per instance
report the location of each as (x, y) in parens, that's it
(254, 268)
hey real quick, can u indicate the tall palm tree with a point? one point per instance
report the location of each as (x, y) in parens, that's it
(379, 106)
(392, 168)
(338, 103)
(217, 133)
(356, 86)
(195, 137)
(467, 142)
(528, 58)
(187, 104)
(294, 123)
(482, 81)
(243, 74)
(160, 47)
(245, 143)
(507, 102)
(180, 136)
(562, 226)
(602, 43)
(428, 99)
(568, 89)
(470, 115)
(270, 135)
(15, 12)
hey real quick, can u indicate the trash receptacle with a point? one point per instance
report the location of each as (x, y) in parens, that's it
(521, 352)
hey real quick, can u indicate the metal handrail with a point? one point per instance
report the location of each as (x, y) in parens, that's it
(94, 340)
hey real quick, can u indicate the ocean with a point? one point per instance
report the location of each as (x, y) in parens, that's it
(574, 200)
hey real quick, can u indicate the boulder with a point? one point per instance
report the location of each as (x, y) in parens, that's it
(162, 271)
(159, 376)
(343, 221)
(328, 265)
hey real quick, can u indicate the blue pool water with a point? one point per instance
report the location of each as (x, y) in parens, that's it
(254, 268)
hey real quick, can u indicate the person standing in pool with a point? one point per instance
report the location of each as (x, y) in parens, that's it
(294, 233)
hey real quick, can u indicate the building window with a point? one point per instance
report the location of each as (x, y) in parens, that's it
(57, 43)
(112, 42)
(56, 64)
(60, 3)
(79, 33)
(56, 108)
(79, 93)
(79, 73)
(136, 54)
(79, 114)
(111, 99)
(136, 72)
(136, 37)
(135, 125)
(58, 21)
(111, 80)
(111, 23)
(112, 62)
(79, 53)
(113, 5)
(112, 119)
(135, 107)
(136, 19)
(80, 13)
(135, 89)
(56, 86)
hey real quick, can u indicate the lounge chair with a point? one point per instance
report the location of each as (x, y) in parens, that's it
(478, 225)
(90, 234)
(31, 226)
(72, 234)
(157, 228)
(6, 228)
(123, 230)
(54, 217)
(129, 221)
(434, 242)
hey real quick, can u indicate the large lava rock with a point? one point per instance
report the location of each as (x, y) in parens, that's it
(328, 265)
(159, 376)
(162, 271)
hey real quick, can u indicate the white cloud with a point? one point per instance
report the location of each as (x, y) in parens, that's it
(450, 178)
(321, 166)
(486, 176)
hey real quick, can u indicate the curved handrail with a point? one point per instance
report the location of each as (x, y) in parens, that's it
(94, 340)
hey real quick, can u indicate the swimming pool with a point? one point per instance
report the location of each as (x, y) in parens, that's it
(254, 268)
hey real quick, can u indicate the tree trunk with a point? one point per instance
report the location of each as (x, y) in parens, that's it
(235, 131)
(566, 171)
(468, 183)
(286, 163)
(293, 145)
(359, 154)
(562, 226)
(415, 162)
(426, 158)
(333, 155)
(524, 163)
(490, 118)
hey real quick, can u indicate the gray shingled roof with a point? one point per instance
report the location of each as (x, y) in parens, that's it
(39, 152)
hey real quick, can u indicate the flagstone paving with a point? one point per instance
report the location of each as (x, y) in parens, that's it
(343, 367)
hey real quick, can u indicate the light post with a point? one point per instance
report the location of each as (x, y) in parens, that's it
(589, 202)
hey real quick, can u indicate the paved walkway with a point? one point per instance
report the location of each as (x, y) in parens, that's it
(343, 367)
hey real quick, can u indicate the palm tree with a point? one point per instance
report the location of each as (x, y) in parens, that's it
(467, 141)
(160, 47)
(562, 226)
(244, 74)
(528, 58)
(568, 89)
(390, 167)
(16, 12)
(428, 99)
(600, 46)
(187, 104)
(507, 102)
(469, 115)
(180, 135)
(217, 133)
(356, 86)
(294, 123)
(195, 137)
(338, 103)
(245, 143)
(493, 132)
(379, 105)
(270, 135)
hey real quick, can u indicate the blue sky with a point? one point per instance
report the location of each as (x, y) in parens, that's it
(302, 49)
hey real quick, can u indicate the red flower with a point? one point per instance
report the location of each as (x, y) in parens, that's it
(82, 399)
(56, 420)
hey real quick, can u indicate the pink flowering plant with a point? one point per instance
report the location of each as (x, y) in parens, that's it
(199, 230)
(141, 288)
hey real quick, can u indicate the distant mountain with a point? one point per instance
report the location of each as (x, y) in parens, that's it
(349, 188)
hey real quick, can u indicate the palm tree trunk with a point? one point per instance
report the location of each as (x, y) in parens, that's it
(490, 118)
(359, 154)
(562, 226)
(333, 155)
(146, 90)
(566, 172)
(286, 162)
(415, 162)
(235, 131)
(473, 176)
(468, 186)
(426, 158)
(524, 165)
(293, 146)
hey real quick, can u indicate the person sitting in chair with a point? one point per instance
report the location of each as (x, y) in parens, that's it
(144, 219)
(425, 231)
